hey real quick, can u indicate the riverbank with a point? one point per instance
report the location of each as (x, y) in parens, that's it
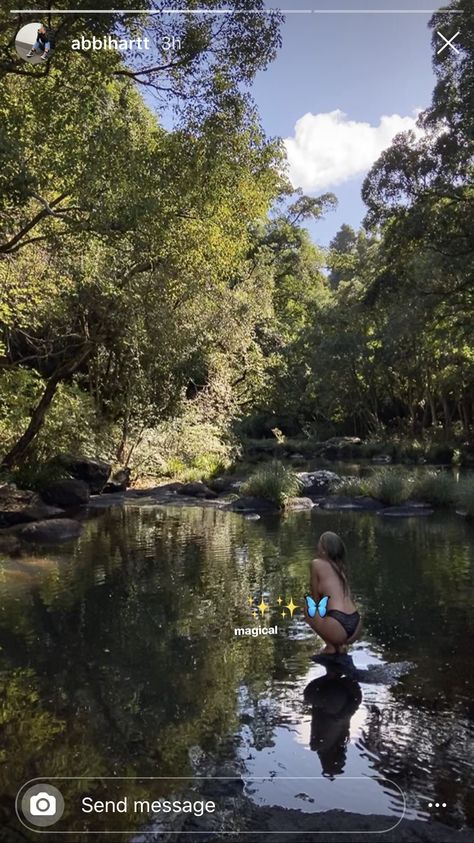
(27, 518)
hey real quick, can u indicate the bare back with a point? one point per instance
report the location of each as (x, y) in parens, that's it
(326, 581)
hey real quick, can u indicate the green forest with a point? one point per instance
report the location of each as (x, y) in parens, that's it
(162, 303)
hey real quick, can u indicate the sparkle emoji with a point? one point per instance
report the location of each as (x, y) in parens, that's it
(291, 607)
(263, 607)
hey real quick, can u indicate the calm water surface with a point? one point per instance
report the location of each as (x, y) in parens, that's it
(118, 658)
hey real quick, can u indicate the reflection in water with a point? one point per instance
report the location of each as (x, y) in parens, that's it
(334, 699)
(118, 655)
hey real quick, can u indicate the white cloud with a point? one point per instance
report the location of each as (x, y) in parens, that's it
(328, 148)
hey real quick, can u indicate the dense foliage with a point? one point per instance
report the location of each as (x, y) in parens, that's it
(150, 274)
(390, 347)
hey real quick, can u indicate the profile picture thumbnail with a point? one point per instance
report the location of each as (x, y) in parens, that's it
(35, 42)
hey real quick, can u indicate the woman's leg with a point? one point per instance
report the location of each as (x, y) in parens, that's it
(355, 634)
(330, 630)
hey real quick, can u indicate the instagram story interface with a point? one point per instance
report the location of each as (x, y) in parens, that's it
(237, 421)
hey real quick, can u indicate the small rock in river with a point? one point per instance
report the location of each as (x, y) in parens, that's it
(56, 530)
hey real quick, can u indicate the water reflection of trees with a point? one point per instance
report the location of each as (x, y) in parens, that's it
(119, 653)
(122, 649)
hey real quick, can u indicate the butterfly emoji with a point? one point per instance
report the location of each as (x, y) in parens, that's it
(313, 607)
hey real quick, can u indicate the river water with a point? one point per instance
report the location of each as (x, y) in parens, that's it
(119, 658)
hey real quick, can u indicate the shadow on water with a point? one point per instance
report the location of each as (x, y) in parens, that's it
(118, 657)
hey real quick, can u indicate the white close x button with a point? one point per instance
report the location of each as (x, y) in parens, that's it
(448, 42)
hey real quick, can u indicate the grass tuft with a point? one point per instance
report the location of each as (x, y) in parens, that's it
(435, 487)
(391, 486)
(352, 486)
(274, 482)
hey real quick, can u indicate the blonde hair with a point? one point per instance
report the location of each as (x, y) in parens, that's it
(335, 552)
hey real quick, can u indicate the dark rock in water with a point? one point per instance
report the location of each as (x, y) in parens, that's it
(196, 490)
(56, 530)
(252, 504)
(377, 674)
(383, 674)
(66, 493)
(406, 511)
(299, 503)
(40, 511)
(360, 502)
(119, 482)
(94, 472)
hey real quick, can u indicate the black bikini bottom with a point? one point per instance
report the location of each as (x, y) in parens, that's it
(348, 622)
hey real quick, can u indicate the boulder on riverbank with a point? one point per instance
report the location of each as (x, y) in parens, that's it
(93, 472)
(225, 483)
(119, 482)
(20, 506)
(298, 503)
(54, 531)
(66, 493)
(315, 483)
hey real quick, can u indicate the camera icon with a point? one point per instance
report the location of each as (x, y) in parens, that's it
(43, 804)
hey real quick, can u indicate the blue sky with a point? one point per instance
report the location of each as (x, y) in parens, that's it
(365, 66)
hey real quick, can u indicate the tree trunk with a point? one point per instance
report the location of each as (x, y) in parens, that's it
(464, 414)
(426, 414)
(447, 418)
(120, 452)
(434, 415)
(17, 454)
